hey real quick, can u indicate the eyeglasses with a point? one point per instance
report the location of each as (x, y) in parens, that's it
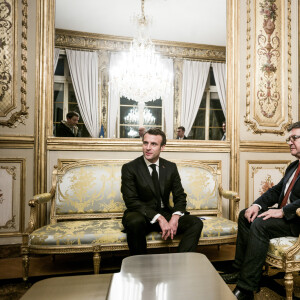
(292, 138)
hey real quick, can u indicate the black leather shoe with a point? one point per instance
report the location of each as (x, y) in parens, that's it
(230, 278)
(242, 294)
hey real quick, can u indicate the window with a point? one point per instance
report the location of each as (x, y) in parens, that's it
(131, 118)
(64, 96)
(210, 116)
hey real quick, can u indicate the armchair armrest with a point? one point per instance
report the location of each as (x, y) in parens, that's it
(298, 212)
(234, 202)
(34, 203)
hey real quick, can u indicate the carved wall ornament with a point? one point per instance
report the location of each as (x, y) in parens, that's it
(266, 184)
(8, 45)
(10, 170)
(265, 107)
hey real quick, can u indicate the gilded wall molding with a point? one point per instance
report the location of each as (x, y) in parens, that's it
(272, 147)
(15, 168)
(266, 109)
(262, 175)
(7, 80)
(93, 41)
(104, 60)
(178, 65)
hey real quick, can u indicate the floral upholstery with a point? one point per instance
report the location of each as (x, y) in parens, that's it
(278, 246)
(200, 186)
(110, 232)
(96, 189)
(90, 189)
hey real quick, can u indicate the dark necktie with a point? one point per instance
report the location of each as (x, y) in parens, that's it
(286, 196)
(156, 183)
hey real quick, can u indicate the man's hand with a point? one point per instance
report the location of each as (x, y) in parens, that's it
(174, 225)
(165, 227)
(272, 213)
(251, 213)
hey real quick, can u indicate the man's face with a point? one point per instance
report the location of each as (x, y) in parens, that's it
(141, 131)
(180, 133)
(295, 144)
(73, 121)
(224, 127)
(152, 147)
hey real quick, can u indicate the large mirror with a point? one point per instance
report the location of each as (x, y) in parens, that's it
(190, 33)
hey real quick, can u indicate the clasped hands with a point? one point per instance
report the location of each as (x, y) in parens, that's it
(168, 229)
(252, 212)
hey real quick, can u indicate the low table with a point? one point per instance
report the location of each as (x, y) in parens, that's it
(70, 287)
(176, 276)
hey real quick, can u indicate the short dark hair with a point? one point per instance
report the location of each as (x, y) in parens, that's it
(181, 127)
(294, 125)
(71, 114)
(157, 131)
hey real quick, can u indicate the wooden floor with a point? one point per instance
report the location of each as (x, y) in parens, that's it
(83, 263)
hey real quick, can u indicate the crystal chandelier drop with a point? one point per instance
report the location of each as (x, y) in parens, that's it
(140, 74)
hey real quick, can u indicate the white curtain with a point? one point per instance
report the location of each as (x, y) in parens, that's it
(55, 58)
(220, 78)
(168, 102)
(113, 99)
(194, 78)
(84, 74)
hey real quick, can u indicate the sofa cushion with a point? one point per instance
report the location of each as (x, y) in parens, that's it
(110, 232)
(278, 246)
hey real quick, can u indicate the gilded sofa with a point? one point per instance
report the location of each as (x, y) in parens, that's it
(87, 207)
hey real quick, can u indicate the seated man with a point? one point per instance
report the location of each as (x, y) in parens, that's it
(147, 183)
(260, 223)
(180, 133)
(69, 128)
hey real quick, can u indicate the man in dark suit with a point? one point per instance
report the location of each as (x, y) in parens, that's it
(262, 222)
(180, 133)
(147, 183)
(68, 128)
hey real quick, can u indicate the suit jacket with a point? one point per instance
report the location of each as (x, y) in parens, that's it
(138, 188)
(184, 138)
(276, 194)
(64, 131)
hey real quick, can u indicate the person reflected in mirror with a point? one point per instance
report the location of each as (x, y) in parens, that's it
(224, 131)
(146, 185)
(69, 127)
(261, 222)
(142, 131)
(180, 133)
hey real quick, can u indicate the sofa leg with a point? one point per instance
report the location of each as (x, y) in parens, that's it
(25, 262)
(96, 260)
(289, 284)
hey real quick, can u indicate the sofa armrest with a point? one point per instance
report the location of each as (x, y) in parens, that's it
(234, 199)
(34, 203)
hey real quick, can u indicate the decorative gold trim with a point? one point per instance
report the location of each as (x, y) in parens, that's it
(251, 146)
(19, 117)
(94, 41)
(257, 168)
(17, 142)
(254, 124)
(94, 144)
(178, 65)
(12, 171)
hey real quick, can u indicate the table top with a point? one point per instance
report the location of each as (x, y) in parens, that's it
(70, 287)
(175, 276)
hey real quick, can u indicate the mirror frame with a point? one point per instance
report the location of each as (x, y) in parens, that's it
(45, 96)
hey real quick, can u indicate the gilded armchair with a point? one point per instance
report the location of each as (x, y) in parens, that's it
(284, 253)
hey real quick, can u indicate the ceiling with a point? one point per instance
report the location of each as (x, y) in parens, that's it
(190, 21)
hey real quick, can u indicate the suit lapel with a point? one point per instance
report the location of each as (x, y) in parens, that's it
(146, 174)
(162, 176)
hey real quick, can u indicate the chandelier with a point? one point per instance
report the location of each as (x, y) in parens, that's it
(140, 74)
(133, 117)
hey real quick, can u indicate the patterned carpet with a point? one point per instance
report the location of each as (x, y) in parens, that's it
(271, 287)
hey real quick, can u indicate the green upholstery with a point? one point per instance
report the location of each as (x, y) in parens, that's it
(110, 232)
(278, 246)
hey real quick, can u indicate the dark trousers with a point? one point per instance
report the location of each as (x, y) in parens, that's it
(137, 227)
(252, 247)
